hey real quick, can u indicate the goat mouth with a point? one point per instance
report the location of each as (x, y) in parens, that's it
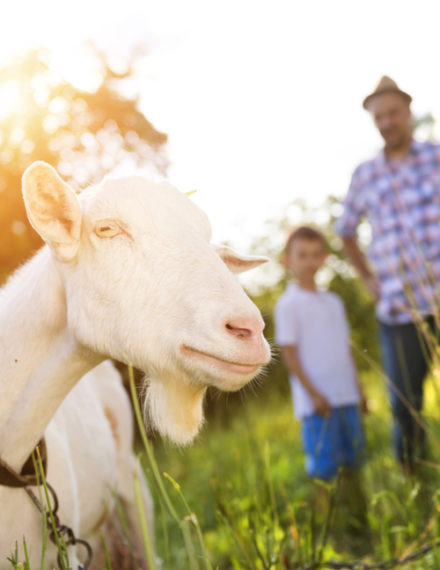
(238, 367)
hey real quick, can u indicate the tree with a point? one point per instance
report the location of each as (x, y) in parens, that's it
(83, 133)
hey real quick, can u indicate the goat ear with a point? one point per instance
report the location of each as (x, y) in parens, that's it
(238, 263)
(53, 209)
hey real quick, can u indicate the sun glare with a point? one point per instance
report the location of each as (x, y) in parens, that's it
(10, 99)
(80, 67)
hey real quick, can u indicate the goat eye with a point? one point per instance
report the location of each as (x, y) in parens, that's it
(107, 229)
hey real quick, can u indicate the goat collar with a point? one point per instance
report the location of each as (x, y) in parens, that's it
(27, 476)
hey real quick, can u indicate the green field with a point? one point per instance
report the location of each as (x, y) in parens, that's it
(239, 498)
(244, 481)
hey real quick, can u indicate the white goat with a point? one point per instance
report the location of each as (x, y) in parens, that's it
(129, 273)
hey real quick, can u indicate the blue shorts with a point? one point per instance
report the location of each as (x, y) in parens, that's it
(333, 442)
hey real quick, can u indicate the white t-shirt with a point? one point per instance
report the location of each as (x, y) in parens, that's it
(315, 322)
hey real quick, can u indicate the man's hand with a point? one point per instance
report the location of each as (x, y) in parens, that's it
(364, 405)
(321, 404)
(373, 285)
(357, 258)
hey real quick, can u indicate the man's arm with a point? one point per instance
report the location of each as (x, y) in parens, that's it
(293, 364)
(357, 258)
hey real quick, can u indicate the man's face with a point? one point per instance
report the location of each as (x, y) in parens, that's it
(392, 117)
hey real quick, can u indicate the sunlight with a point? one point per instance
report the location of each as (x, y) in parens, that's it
(11, 99)
(81, 67)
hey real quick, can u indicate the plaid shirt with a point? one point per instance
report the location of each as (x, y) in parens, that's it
(401, 200)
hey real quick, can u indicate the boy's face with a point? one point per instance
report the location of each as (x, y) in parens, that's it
(305, 257)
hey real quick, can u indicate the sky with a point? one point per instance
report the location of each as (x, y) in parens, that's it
(261, 99)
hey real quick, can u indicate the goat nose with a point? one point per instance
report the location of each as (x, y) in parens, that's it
(238, 331)
(243, 327)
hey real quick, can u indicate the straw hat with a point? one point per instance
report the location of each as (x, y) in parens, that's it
(386, 85)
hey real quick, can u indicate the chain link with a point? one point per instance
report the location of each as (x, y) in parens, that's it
(61, 530)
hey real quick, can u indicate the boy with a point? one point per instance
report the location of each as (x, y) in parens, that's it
(313, 334)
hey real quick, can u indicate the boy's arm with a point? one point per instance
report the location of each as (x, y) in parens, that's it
(293, 364)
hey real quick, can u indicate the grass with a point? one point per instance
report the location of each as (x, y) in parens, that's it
(247, 483)
(239, 497)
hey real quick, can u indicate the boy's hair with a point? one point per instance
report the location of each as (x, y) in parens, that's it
(307, 233)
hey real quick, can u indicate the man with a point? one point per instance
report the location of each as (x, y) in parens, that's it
(399, 192)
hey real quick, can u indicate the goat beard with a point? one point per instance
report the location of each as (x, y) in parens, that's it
(174, 406)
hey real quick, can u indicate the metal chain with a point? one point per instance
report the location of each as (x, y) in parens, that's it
(384, 565)
(60, 530)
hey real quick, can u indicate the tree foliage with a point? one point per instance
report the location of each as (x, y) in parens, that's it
(83, 133)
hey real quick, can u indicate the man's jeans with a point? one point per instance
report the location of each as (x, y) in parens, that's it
(406, 360)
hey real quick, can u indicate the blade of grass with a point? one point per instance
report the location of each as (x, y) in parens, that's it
(269, 482)
(125, 528)
(236, 534)
(62, 550)
(43, 515)
(189, 545)
(144, 526)
(108, 565)
(157, 476)
(26, 555)
(147, 447)
(193, 519)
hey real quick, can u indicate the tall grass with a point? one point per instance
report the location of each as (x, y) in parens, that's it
(185, 522)
(254, 501)
(239, 498)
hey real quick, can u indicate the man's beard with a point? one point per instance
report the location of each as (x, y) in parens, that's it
(396, 143)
